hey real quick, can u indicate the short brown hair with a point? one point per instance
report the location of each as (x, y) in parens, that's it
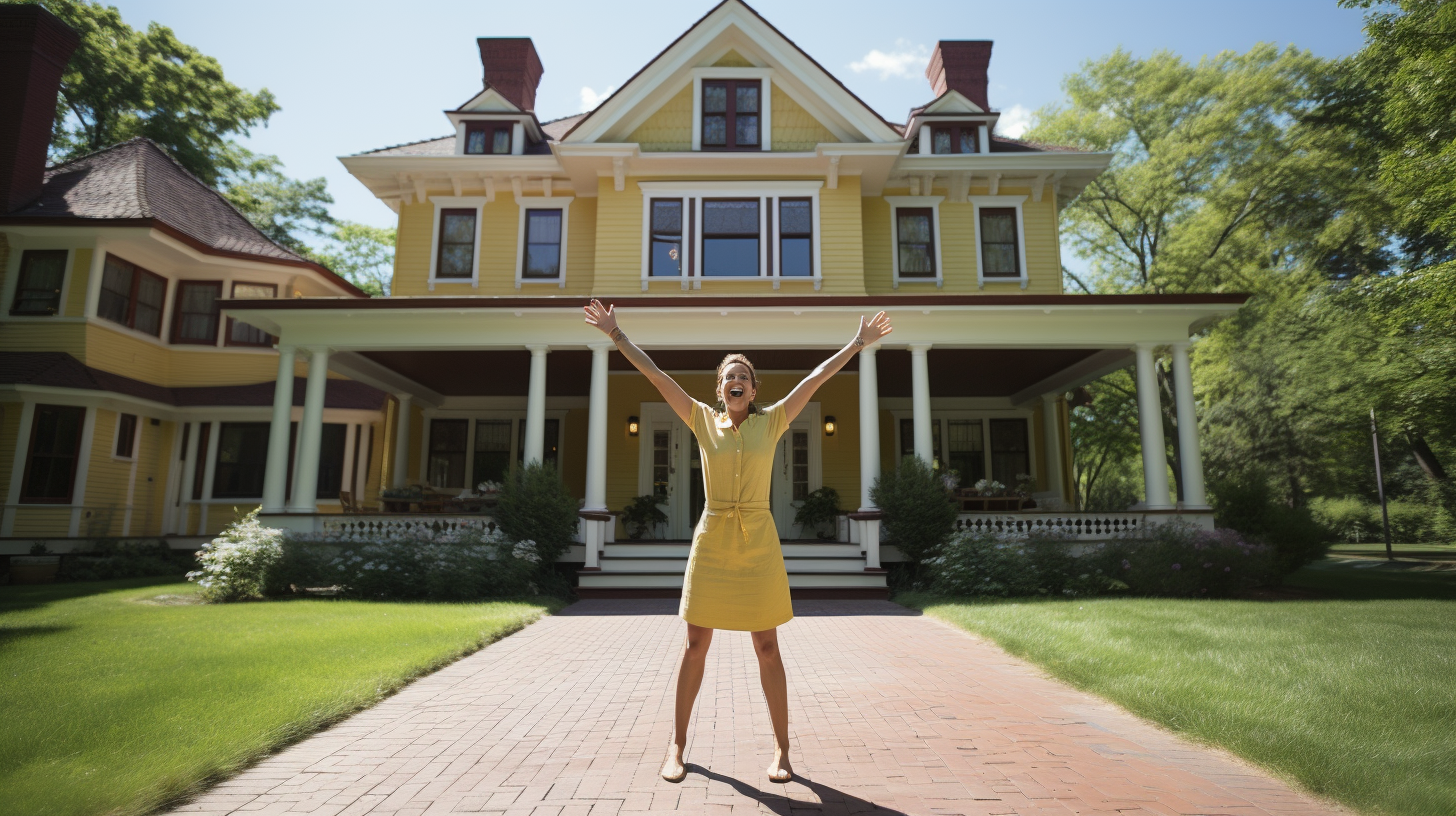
(718, 380)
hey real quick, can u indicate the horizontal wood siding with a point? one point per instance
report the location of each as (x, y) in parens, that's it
(105, 489)
(412, 250)
(10, 442)
(619, 238)
(842, 248)
(44, 336)
(41, 521)
(670, 128)
(76, 285)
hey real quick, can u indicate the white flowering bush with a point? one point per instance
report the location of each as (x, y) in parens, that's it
(235, 565)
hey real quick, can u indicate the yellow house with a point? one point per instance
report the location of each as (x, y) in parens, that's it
(731, 196)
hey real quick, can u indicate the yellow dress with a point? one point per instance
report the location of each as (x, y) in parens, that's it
(736, 577)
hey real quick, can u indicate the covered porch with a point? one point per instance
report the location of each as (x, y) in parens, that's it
(973, 384)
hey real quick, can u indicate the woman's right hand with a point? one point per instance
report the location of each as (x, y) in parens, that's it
(603, 317)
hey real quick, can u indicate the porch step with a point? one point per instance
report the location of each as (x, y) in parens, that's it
(646, 563)
(643, 569)
(679, 549)
(674, 580)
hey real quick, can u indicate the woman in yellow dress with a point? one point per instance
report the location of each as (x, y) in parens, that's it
(735, 577)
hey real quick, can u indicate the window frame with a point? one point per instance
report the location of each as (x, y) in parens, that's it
(177, 314)
(562, 203)
(218, 464)
(684, 236)
(131, 303)
(518, 420)
(765, 103)
(135, 432)
(779, 236)
(441, 244)
(490, 127)
(730, 114)
(227, 336)
(769, 193)
(79, 453)
(21, 273)
(932, 203)
(1000, 202)
(956, 129)
(761, 268)
(442, 203)
(983, 416)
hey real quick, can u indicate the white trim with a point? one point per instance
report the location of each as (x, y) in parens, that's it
(977, 202)
(547, 202)
(12, 282)
(765, 94)
(933, 202)
(135, 435)
(942, 455)
(684, 247)
(17, 468)
(83, 469)
(456, 202)
(170, 499)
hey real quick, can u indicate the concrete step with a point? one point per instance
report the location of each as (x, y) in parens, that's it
(679, 549)
(615, 563)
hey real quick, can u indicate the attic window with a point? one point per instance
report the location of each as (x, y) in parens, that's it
(731, 114)
(959, 138)
(486, 138)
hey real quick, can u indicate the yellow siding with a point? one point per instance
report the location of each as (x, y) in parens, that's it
(9, 440)
(958, 248)
(581, 249)
(121, 353)
(412, 250)
(619, 238)
(41, 521)
(732, 59)
(105, 488)
(794, 129)
(44, 336)
(842, 250)
(150, 499)
(79, 280)
(670, 128)
(375, 450)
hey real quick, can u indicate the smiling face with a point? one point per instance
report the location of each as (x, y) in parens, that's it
(736, 388)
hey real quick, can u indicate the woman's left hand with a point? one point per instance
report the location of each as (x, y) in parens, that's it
(871, 330)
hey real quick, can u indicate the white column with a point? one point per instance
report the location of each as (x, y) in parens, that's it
(275, 473)
(209, 473)
(93, 279)
(536, 405)
(1189, 453)
(83, 469)
(189, 474)
(310, 435)
(399, 469)
(17, 469)
(596, 455)
(1150, 423)
(1051, 423)
(869, 453)
(920, 402)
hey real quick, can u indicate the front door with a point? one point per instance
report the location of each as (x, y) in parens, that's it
(672, 470)
(792, 476)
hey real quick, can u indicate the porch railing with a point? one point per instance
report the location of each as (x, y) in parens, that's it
(1078, 526)
(381, 527)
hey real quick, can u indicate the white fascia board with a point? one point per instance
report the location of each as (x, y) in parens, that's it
(362, 167)
(151, 409)
(953, 102)
(491, 95)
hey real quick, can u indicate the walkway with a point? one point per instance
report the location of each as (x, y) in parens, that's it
(891, 712)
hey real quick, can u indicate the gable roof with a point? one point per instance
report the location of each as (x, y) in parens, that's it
(445, 145)
(137, 181)
(746, 19)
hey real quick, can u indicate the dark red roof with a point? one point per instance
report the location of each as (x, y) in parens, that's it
(60, 370)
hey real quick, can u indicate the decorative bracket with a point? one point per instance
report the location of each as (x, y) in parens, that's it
(516, 187)
(1036, 187)
(834, 172)
(995, 184)
(619, 174)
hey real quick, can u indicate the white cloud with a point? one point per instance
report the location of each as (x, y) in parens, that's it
(906, 61)
(1014, 121)
(590, 99)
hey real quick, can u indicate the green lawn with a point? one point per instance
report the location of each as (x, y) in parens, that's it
(118, 697)
(1351, 695)
(1435, 552)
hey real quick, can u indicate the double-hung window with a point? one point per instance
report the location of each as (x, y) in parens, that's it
(55, 450)
(796, 237)
(730, 111)
(731, 229)
(958, 138)
(998, 243)
(457, 244)
(196, 313)
(38, 291)
(915, 242)
(126, 433)
(1010, 450)
(541, 254)
(131, 296)
(665, 251)
(242, 457)
(488, 138)
(241, 334)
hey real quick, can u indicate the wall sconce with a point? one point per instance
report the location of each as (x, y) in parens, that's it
(829, 426)
(632, 426)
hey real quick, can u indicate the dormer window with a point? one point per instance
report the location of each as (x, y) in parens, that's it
(488, 138)
(731, 114)
(959, 138)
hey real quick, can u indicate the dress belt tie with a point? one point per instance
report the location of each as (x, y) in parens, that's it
(738, 509)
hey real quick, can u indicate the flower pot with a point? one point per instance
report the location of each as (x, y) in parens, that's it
(34, 569)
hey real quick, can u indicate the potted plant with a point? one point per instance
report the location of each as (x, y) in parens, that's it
(642, 516)
(820, 511)
(40, 567)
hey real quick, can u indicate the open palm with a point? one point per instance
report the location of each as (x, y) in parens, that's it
(872, 329)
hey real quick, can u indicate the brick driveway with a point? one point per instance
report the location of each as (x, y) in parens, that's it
(890, 712)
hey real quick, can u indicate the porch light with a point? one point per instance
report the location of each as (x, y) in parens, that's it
(632, 427)
(829, 426)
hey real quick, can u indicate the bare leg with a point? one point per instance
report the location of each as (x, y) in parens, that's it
(776, 691)
(689, 680)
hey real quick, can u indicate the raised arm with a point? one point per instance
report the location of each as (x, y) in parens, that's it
(604, 318)
(870, 331)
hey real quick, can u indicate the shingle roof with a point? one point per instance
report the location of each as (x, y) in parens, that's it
(445, 145)
(139, 180)
(60, 370)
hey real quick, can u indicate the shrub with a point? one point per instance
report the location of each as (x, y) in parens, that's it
(1245, 504)
(108, 560)
(820, 508)
(234, 565)
(448, 567)
(1179, 560)
(1353, 520)
(991, 564)
(919, 513)
(642, 516)
(535, 506)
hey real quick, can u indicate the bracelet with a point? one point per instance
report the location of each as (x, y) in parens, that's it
(617, 334)
(858, 341)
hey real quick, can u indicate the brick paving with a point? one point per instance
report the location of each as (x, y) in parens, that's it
(890, 712)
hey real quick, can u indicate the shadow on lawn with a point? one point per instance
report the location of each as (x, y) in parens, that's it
(1350, 579)
(832, 800)
(17, 598)
(10, 634)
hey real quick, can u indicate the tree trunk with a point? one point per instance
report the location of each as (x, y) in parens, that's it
(1167, 407)
(1426, 458)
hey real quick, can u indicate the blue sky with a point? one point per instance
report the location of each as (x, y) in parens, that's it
(366, 74)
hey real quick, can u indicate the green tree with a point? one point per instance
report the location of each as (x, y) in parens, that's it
(363, 254)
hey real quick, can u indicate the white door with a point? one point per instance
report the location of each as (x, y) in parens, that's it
(671, 470)
(794, 475)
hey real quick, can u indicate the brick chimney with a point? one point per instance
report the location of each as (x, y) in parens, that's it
(960, 65)
(34, 48)
(512, 68)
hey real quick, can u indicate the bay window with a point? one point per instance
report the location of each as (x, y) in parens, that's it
(241, 334)
(463, 452)
(131, 296)
(196, 313)
(42, 273)
(974, 448)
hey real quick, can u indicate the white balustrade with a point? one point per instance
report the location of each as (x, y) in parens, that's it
(381, 528)
(1076, 526)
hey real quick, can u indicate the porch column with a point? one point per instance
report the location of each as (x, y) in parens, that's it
(536, 405)
(920, 402)
(399, 473)
(1051, 423)
(869, 453)
(1150, 424)
(1189, 452)
(275, 474)
(596, 455)
(310, 434)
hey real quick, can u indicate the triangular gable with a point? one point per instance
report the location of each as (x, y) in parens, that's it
(732, 27)
(952, 101)
(489, 100)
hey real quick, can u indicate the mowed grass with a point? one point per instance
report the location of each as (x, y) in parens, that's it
(120, 697)
(1351, 695)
